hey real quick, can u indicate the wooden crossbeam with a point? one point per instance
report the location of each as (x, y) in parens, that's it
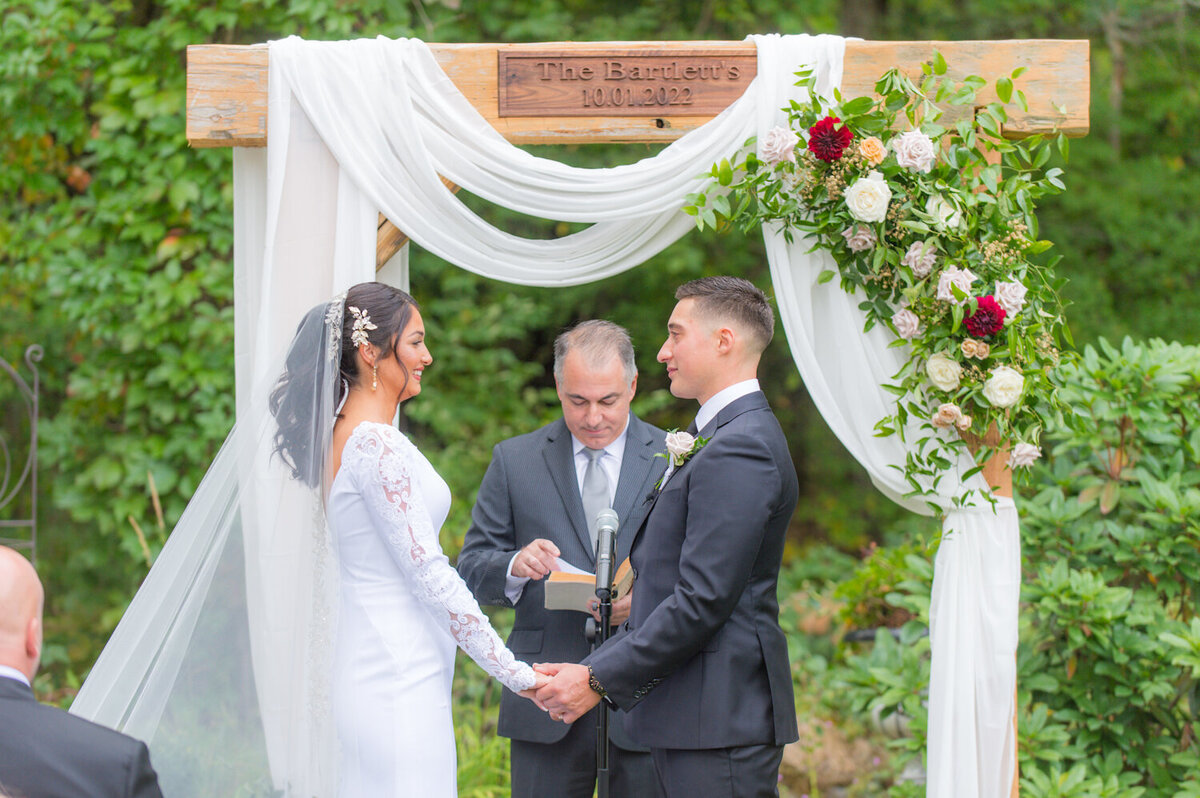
(227, 86)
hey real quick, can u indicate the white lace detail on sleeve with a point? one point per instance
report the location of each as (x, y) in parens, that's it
(384, 461)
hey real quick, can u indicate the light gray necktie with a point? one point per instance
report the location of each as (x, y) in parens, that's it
(595, 491)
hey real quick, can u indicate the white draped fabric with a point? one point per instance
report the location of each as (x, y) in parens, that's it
(362, 127)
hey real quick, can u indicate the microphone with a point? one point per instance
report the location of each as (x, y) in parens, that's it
(606, 533)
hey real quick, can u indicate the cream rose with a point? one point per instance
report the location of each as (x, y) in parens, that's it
(859, 238)
(779, 145)
(914, 150)
(868, 198)
(956, 277)
(920, 257)
(1003, 388)
(947, 415)
(1023, 455)
(943, 372)
(872, 149)
(1011, 296)
(945, 215)
(907, 324)
(679, 445)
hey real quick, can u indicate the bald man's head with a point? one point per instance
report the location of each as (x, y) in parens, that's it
(21, 600)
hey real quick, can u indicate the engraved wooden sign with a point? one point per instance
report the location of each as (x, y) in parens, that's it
(621, 82)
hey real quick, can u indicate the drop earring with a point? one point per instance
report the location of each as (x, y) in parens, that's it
(374, 377)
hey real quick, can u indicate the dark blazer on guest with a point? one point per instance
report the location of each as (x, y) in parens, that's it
(531, 491)
(703, 662)
(48, 753)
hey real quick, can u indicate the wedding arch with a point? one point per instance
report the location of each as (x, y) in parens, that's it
(344, 150)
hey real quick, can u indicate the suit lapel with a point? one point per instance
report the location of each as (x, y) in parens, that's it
(743, 404)
(560, 461)
(637, 465)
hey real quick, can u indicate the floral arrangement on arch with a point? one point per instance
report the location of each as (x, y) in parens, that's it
(933, 224)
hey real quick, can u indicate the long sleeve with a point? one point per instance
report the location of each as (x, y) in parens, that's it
(385, 477)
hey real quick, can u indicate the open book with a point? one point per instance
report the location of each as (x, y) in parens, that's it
(574, 589)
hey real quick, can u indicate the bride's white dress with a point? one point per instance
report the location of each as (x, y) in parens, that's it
(403, 609)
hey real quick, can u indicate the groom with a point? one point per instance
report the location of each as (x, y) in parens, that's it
(702, 665)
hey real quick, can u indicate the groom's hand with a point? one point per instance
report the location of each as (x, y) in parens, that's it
(536, 560)
(567, 697)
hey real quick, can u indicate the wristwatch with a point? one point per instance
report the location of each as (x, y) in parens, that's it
(598, 688)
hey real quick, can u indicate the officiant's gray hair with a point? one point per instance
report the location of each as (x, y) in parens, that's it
(733, 299)
(596, 341)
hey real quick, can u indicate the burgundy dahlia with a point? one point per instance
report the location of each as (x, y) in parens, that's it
(988, 318)
(827, 141)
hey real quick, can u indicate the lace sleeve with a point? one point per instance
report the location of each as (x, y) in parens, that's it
(398, 512)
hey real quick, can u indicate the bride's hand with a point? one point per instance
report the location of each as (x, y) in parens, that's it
(531, 693)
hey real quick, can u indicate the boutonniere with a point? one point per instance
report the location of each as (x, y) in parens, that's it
(680, 448)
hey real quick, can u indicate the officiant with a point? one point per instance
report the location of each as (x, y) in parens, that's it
(537, 503)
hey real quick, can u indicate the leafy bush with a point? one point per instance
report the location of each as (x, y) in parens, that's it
(1108, 660)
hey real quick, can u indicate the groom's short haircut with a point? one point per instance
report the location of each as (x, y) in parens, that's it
(732, 299)
(596, 341)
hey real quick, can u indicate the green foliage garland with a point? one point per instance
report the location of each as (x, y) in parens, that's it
(939, 240)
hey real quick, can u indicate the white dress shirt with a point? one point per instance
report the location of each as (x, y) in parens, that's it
(12, 673)
(709, 410)
(610, 463)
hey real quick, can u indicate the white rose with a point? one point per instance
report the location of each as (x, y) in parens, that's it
(943, 372)
(907, 324)
(859, 238)
(679, 444)
(914, 150)
(921, 257)
(1011, 297)
(945, 215)
(1023, 454)
(868, 198)
(947, 415)
(1004, 387)
(955, 276)
(779, 145)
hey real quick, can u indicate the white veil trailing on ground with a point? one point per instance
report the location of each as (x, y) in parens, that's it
(362, 127)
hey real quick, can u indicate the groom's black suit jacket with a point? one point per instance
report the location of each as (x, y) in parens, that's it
(47, 753)
(703, 662)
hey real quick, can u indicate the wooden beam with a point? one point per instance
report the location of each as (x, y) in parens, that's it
(227, 86)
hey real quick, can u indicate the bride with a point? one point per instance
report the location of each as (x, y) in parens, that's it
(296, 635)
(401, 608)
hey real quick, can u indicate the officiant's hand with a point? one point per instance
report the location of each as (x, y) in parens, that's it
(567, 697)
(620, 609)
(536, 560)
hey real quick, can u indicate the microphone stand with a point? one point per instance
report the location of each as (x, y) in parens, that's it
(607, 521)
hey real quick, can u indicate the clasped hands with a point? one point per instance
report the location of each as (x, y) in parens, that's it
(562, 690)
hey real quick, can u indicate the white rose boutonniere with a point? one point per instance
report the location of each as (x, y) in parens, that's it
(1003, 388)
(943, 372)
(680, 448)
(868, 198)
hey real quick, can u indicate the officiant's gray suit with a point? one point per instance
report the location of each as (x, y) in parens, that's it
(703, 664)
(531, 491)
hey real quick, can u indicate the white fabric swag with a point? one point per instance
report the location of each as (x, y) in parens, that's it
(368, 126)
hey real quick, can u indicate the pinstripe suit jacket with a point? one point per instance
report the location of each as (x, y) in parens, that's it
(531, 491)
